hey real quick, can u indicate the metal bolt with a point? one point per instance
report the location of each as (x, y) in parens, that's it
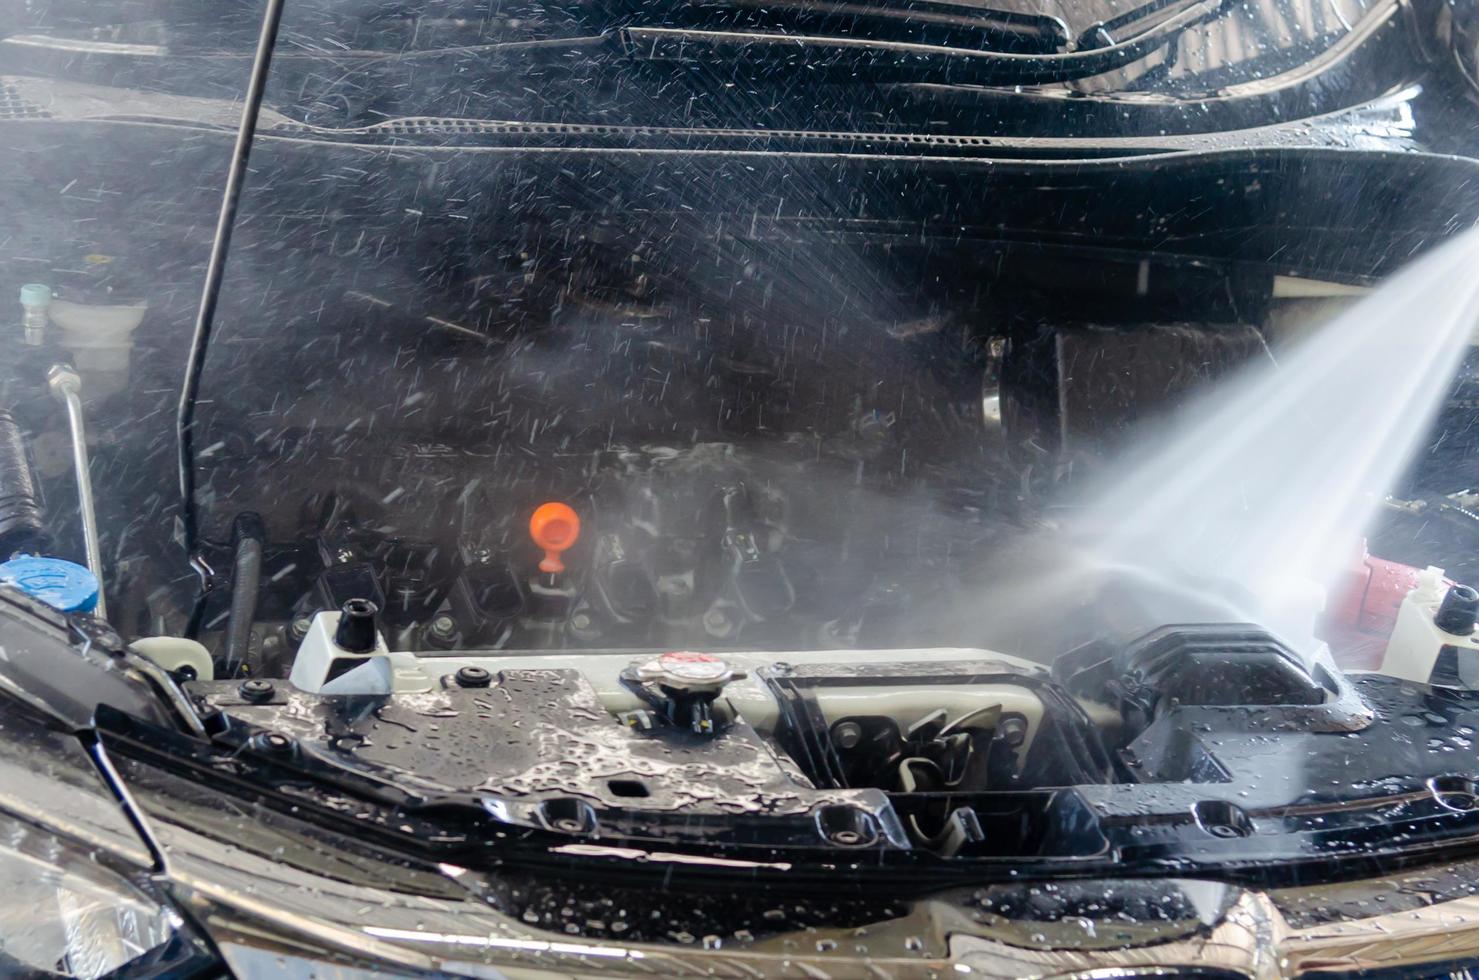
(63, 378)
(581, 621)
(1013, 730)
(847, 826)
(640, 719)
(272, 743)
(444, 627)
(568, 815)
(344, 557)
(847, 734)
(473, 677)
(256, 691)
(300, 628)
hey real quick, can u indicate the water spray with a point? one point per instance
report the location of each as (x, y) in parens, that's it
(1262, 491)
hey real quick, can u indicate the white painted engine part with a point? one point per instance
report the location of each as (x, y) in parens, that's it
(326, 664)
(100, 340)
(174, 652)
(323, 667)
(1420, 636)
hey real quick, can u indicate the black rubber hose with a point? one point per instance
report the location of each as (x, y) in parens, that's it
(22, 522)
(248, 534)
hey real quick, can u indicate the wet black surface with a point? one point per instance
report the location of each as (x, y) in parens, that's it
(469, 276)
(768, 352)
(531, 733)
(1273, 795)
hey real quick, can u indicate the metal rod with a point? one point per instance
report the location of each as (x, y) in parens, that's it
(66, 385)
(210, 293)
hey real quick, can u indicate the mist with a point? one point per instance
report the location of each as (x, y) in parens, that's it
(1258, 493)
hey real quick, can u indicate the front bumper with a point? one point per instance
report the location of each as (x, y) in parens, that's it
(278, 896)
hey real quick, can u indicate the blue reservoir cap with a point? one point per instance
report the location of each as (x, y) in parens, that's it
(63, 585)
(35, 294)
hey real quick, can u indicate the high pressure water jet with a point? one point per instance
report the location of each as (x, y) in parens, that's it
(1262, 490)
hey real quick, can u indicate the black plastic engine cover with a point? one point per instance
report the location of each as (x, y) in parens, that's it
(539, 748)
(1212, 665)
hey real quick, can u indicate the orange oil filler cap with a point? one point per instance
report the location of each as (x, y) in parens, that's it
(554, 527)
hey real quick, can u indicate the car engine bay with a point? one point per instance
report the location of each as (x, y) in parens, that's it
(732, 489)
(728, 526)
(672, 555)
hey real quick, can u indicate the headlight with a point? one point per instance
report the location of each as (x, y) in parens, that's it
(62, 914)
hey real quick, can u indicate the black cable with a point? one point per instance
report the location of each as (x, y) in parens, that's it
(210, 293)
(246, 579)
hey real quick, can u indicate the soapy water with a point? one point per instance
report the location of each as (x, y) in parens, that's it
(1259, 493)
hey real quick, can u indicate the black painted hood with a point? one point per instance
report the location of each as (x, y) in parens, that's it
(918, 77)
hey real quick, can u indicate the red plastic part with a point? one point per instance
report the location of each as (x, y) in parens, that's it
(1362, 610)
